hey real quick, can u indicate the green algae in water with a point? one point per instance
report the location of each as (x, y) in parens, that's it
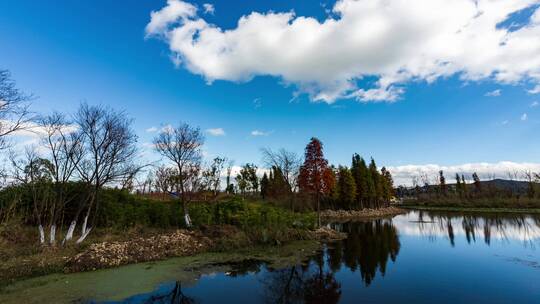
(119, 283)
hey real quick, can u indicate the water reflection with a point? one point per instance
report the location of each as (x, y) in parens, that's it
(368, 250)
(301, 284)
(487, 227)
(170, 293)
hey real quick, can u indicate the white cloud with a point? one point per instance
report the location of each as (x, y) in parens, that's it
(259, 133)
(403, 175)
(173, 12)
(216, 132)
(393, 41)
(493, 93)
(535, 104)
(152, 129)
(524, 117)
(534, 90)
(32, 129)
(209, 8)
(504, 122)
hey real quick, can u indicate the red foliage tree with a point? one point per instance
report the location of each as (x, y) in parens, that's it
(315, 176)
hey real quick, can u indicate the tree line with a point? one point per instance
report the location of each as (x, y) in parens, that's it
(79, 155)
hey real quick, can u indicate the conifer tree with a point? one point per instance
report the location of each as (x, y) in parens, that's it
(264, 186)
(459, 189)
(346, 188)
(315, 177)
(359, 172)
(374, 185)
(388, 185)
(442, 183)
(477, 184)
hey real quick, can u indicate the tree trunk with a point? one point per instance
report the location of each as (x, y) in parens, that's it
(187, 219)
(52, 236)
(69, 234)
(85, 222)
(41, 234)
(318, 211)
(83, 236)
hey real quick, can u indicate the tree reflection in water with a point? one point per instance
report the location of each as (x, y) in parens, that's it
(489, 226)
(308, 283)
(167, 294)
(367, 249)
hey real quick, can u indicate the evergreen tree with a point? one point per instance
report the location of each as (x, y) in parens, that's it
(388, 185)
(346, 188)
(264, 186)
(360, 174)
(463, 185)
(277, 185)
(477, 184)
(442, 183)
(459, 189)
(374, 185)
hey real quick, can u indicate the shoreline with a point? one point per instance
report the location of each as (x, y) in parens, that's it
(361, 214)
(159, 247)
(119, 283)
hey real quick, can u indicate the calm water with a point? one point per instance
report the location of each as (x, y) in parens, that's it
(419, 257)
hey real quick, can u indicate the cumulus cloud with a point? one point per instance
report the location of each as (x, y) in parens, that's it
(259, 133)
(216, 132)
(403, 175)
(393, 42)
(524, 117)
(535, 104)
(493, 93)
(152, 130)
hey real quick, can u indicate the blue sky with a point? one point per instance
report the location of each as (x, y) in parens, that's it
(66, 52)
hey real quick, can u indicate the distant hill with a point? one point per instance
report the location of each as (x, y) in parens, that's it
(508, 185)
(513, 186)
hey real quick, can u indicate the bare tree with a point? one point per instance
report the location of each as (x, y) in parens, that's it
(34, 173)
(164, 181)
(287, 161)
(182, 146)
(64, 151)
(110, 151)
(14, 113)
(212, 175)
(530, 177)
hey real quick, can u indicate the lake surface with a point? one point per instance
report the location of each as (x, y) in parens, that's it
(418, 257)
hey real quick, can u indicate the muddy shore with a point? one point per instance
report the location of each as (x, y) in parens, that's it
(160, 246)
(359, 214)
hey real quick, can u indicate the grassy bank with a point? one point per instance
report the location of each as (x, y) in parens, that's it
(119, 283)
(218, 227)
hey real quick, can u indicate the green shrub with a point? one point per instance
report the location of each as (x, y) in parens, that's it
(248, 215)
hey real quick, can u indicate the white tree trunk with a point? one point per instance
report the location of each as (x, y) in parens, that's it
(52, 237)
(69, 234)
(41, 234)
(85, 234)
(187, 219)
(84, 224)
